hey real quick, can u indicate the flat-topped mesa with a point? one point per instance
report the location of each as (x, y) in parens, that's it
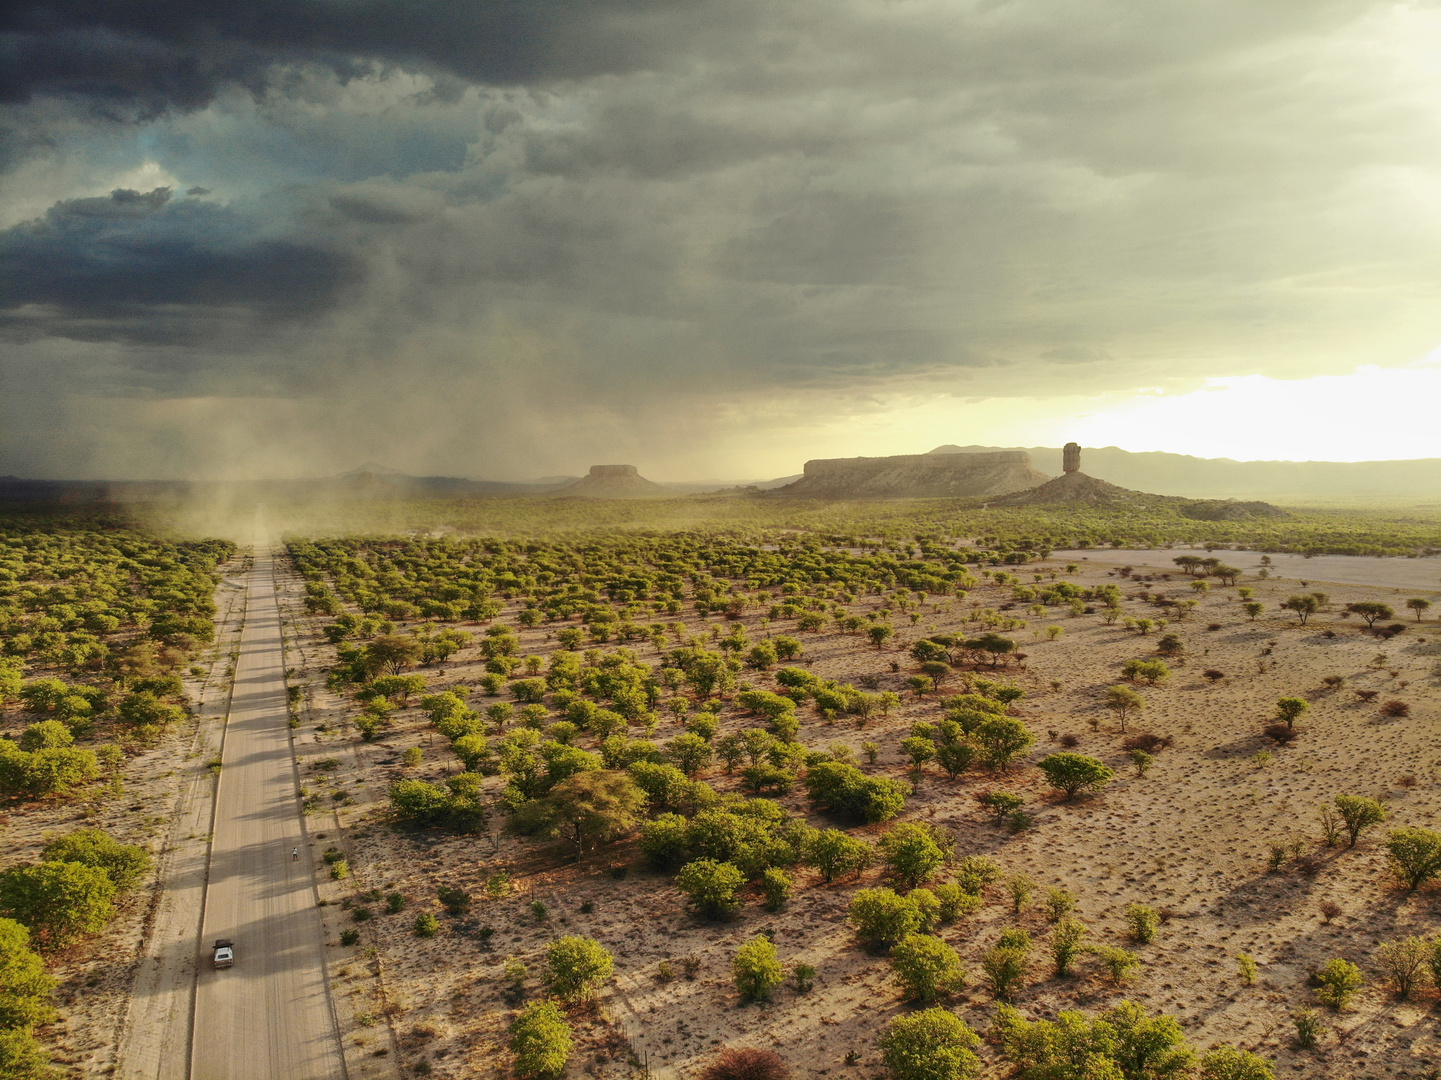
(916, 476)
(613, 482)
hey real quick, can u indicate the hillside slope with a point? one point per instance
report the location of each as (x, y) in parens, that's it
(614, 482)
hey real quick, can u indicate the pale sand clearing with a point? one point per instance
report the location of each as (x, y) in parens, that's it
(1423, 573)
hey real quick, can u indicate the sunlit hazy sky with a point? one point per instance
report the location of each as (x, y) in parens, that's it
(713, 238)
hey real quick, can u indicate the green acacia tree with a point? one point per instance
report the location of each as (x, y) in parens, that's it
(912, 853)
(586, 808)
(919, 750)
(25, 987)
(926, 968)
(1229, 1063)
(933, 1044)
(883, 917)
(1073, 773)
(1371, 611)
(1338, 981)
(541, 1041)
(22, 1057)
(1291, 709)
(1122, 1043)
(955, 757)
(1359, 813)
(576, 966)
(1303, 604)
(689, 752)
(711, 886)
(123, 864)
(1066, 941)
(880, 633)
(1124, 702)
(838, 854)
(1003, 740)
(1415, 855)
(59, 901)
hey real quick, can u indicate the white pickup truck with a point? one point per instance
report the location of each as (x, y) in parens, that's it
(224, 953)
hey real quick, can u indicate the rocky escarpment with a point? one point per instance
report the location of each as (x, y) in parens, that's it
(915, 476)
(613, 482)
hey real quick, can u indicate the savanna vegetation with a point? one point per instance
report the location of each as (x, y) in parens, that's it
(100, 623)
(652, 700)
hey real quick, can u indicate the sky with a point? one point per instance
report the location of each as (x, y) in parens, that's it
(712, 238)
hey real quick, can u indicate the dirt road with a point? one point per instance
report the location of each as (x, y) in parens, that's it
(270, 1016)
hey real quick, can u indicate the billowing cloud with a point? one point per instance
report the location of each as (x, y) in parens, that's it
(133, 266)
(718, 236)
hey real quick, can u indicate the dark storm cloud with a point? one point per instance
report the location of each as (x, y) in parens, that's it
(151, 54)
(137, 267)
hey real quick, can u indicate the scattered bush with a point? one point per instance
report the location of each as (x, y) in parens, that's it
(757, 970)
(747, 1063)
(838, 854)
(849, 793)
(954, 903)
(1005, 967)
(1309, 1027)
(1118, 963)
(1246, 968)
(1000, 804)
(1337, 982)
(1066, 941)
(1122, 1042)
(776, 888)
(25, 988)
(1143, 922)
(1229, 1063)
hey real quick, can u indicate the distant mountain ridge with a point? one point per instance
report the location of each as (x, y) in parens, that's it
(1193, 477)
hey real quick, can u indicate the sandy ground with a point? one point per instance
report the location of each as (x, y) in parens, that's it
(1423, 573)
(1191, 838)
